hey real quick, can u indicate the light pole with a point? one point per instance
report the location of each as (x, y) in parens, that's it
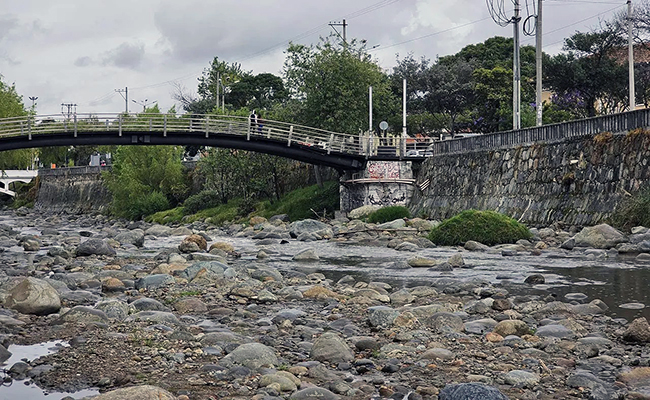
(33, 99)
(144, 103)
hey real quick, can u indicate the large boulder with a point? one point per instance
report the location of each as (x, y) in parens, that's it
(330, 347)
(187, 245)
(144, 392)
(638, 331)
(471, 391)
(251, 355)
(134, 237)
(600, 236)
(34, 296)
(308, 226)
(95, 247)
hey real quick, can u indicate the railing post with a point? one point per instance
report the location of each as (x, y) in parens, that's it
(229, 127)
(248, 132)
(29, 128)
(150, 124)
(268, 134)
(106, 125)
(120, 125)
(207, 127)
(165, 126)
(329, 146)
(75, 125)
(290, 135)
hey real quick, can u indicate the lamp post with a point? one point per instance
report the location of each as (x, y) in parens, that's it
(145, 103)
(33, 99)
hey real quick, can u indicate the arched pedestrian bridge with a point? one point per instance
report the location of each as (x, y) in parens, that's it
(316, 146)
(8, 177)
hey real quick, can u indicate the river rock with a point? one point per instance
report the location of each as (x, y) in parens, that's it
(421, 262)
(443, 322)
(148, 304)
(31, 245)
(600, 236)
(512, 327)
(193, 244)
(535, 279)
(159, 231)
(114, 309)
(521, 378)
(456, 261)
(286, 384)
(156, 281)
(134, 237)
(314, 393)
(82, 315)
(362, 211)
(251, 355)
(160, 317)
(472, 245)
(306, 255)
(395, 224)
(330, 347)
(556, 331)
(144, 392)
(34, 296)
(471, 391)
(95, 247)
(638, 331)
(308, 226)
(382, 316)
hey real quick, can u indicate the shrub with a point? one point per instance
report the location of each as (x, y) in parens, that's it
(146, 205)
(306, 202)
(201, 201)
(487, 227)
(389, 213)
(634, 211)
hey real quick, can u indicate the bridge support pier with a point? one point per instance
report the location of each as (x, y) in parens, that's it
(382, 183)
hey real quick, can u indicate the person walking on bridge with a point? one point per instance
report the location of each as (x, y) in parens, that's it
(252, 122)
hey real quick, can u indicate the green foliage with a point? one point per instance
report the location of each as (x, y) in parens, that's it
(487, 227)
(202, 200)
(634, 211)
(306, 202)
(142, 176)
(11, 103)
(257, 92)
(171, 216)
(387, 214)
(331, 81)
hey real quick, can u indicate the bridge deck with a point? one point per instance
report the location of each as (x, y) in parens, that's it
(303, 143)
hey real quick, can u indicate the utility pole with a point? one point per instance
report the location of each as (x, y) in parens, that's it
(516, 79)
(71, 109)
(370, 109)
(125, 96)
(403, 146)
(344, 25)
(538, 62)
(218, 83)
(630, 56)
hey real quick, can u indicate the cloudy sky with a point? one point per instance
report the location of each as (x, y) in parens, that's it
(80, 51)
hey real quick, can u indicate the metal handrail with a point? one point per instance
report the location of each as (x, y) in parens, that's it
(365, 144)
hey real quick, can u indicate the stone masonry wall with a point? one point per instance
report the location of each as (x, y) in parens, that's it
(72, 190)
(578, 181)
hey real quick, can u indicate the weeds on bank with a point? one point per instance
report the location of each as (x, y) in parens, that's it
(634, 211)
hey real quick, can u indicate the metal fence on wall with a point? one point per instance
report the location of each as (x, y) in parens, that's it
(622, 122)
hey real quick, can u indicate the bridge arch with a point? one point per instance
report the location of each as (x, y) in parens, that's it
(310, 145)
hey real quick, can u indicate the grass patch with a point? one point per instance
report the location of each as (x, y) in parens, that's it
(174, 215)
(487, 227)
(634, 211)
(299, 203)
(387, 214)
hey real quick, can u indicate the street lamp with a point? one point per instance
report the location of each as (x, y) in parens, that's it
(33, 99)
(145, 103)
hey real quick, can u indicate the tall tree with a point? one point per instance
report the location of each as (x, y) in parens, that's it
(332, 82)
(590, 73)
(257, 91)
(11, 105)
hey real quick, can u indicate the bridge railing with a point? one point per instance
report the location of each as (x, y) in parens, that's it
(163, 124)
(622, 122)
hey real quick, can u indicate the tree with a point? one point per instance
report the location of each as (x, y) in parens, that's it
(11, 105)
(257, 92)
(217, 78)
(331, 81)
(589, 73)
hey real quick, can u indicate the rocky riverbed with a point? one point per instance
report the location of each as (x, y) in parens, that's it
(343, 310)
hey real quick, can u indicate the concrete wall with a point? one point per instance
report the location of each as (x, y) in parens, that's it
(72, 190)
(578, 181)
(382, 184)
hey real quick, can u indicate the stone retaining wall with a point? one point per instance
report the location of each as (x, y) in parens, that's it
(578, 181)
(72, 190)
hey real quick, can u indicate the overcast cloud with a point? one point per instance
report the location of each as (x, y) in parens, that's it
(75, 51)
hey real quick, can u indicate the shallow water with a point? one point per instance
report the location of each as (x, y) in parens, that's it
(19, 390)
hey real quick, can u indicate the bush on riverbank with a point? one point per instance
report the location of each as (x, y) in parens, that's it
(487, 227)
(298, 204)
(387, 214)
(632, 212)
